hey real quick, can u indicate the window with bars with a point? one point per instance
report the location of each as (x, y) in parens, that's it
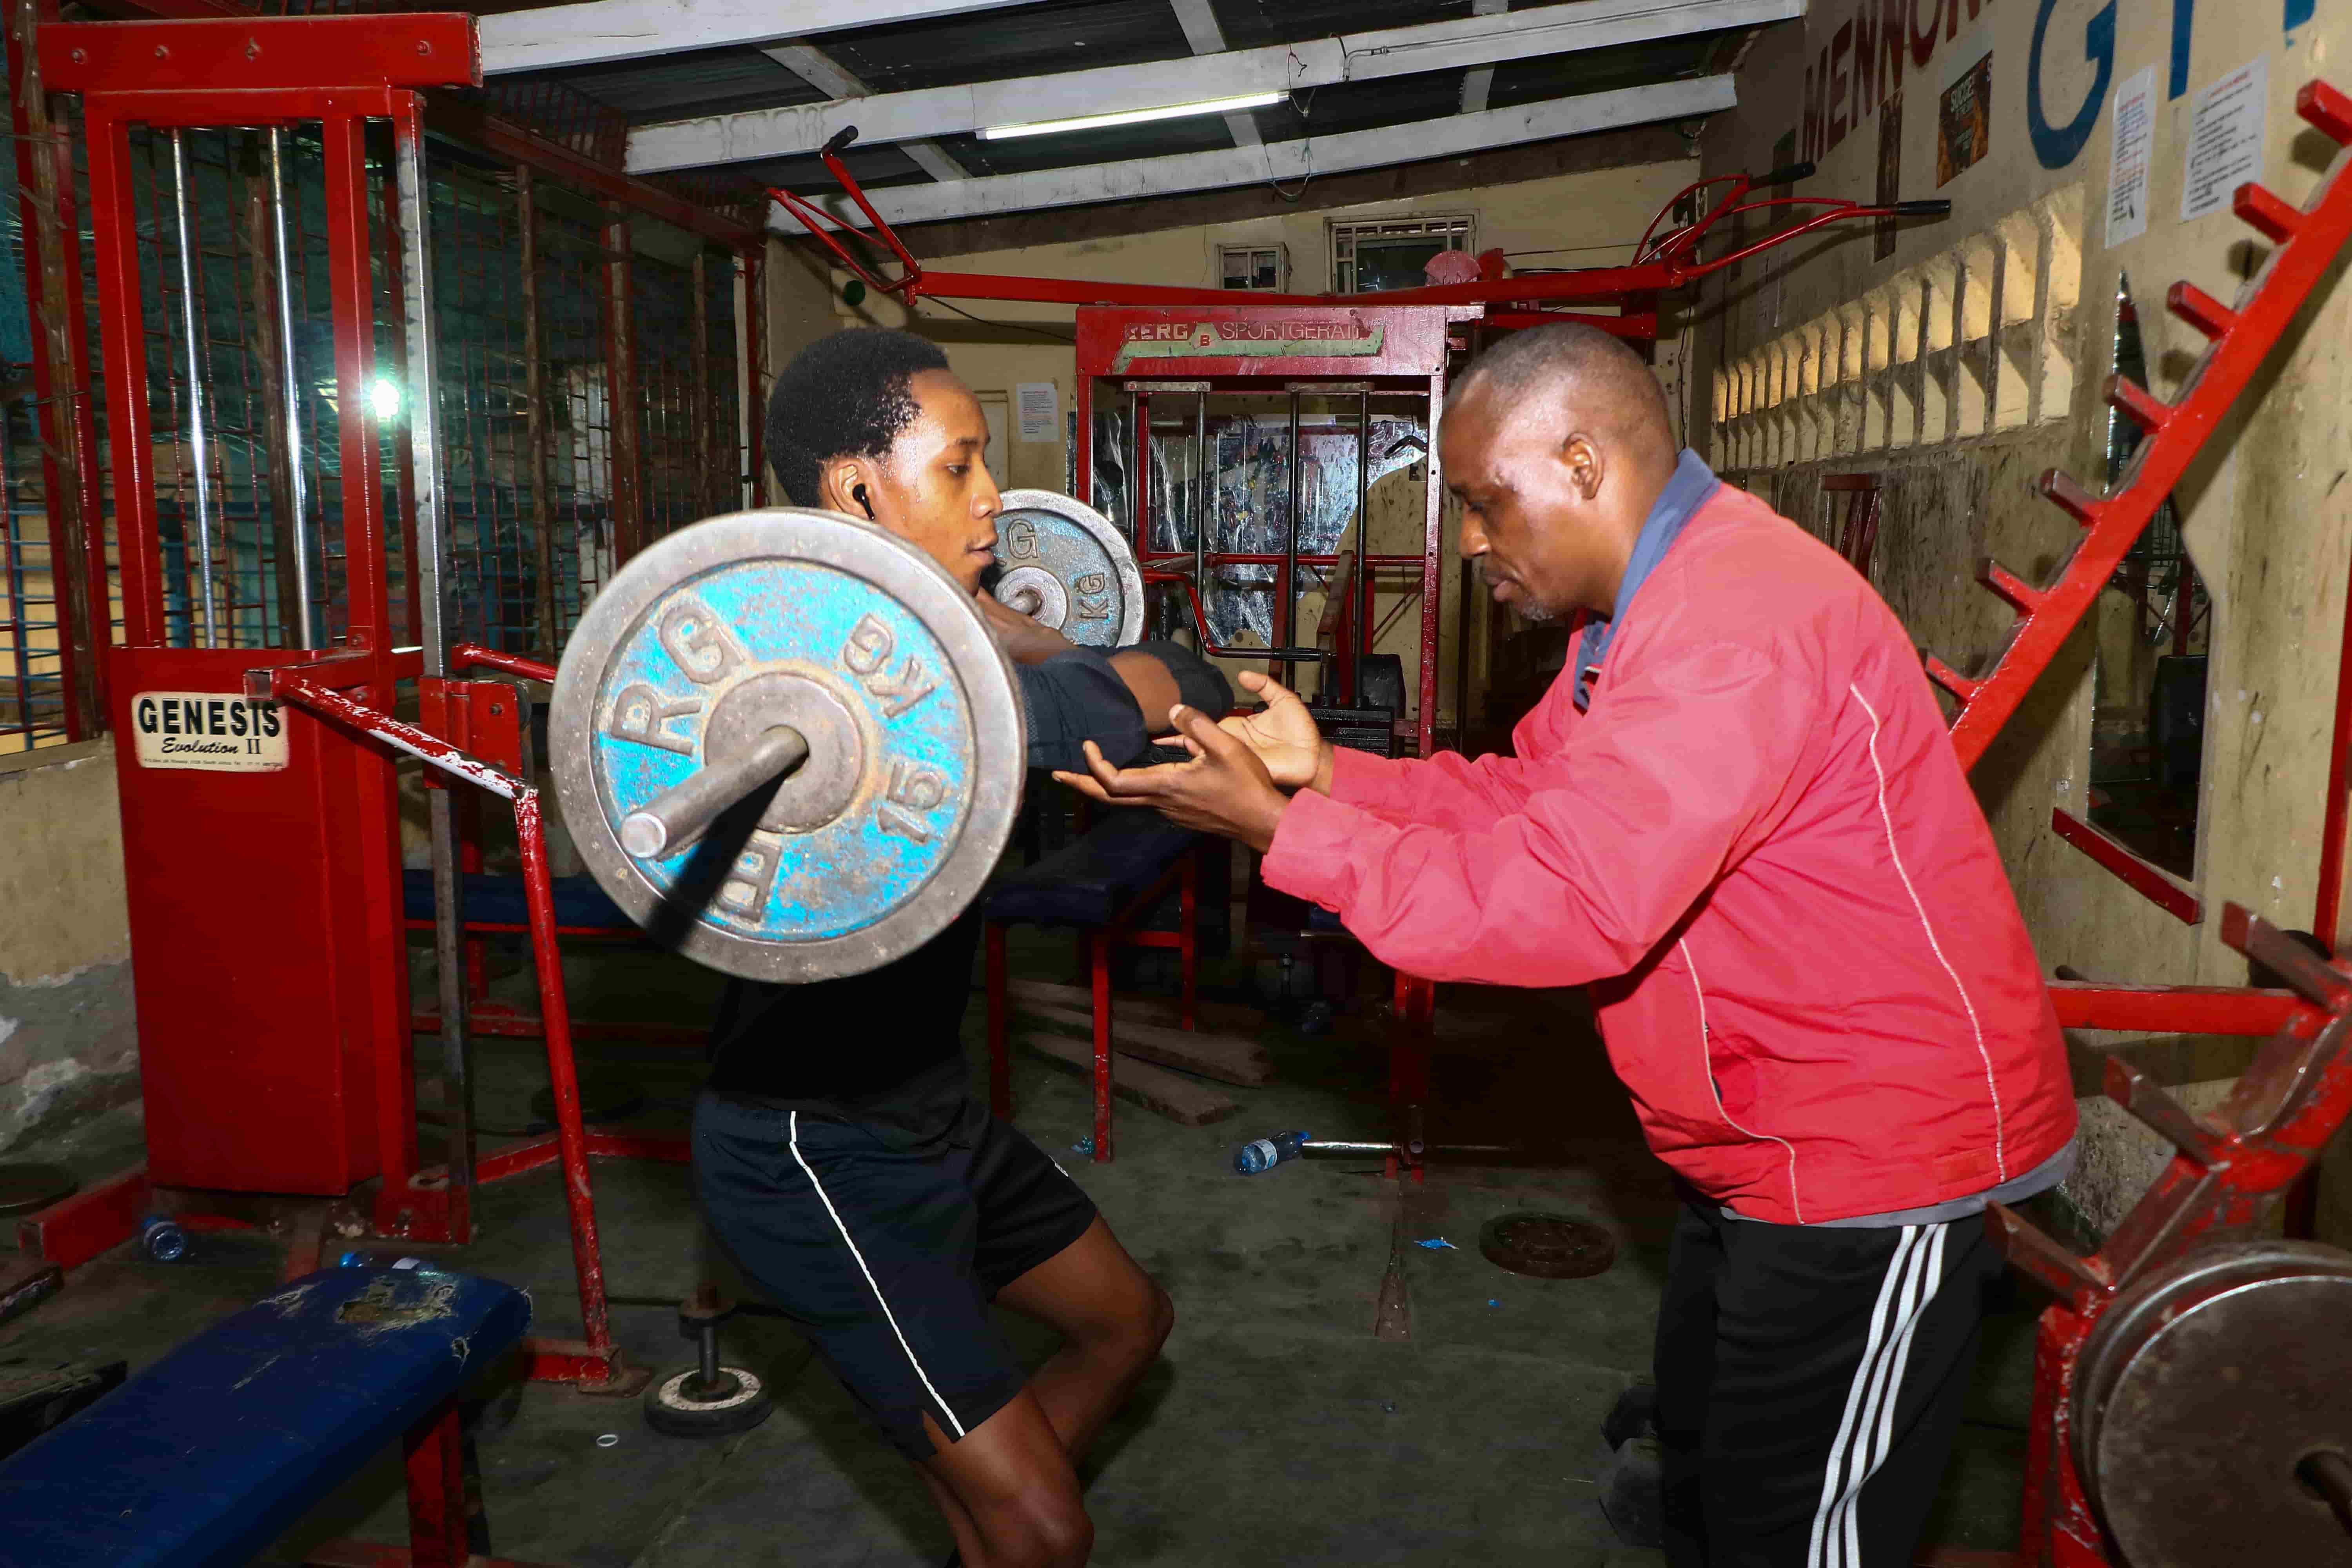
(1261, 268)
(1390, 253)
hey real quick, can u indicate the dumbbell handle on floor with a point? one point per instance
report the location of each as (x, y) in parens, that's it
(677, 816)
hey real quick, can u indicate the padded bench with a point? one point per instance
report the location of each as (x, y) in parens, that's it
(496, 904)
(1103, 883)
(216, 1450)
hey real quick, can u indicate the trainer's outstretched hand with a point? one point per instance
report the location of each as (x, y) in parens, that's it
(1282, 734)
(1224, 789)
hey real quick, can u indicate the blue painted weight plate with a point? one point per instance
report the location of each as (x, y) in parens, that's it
(867, 650)
(1069, 567)
(917, 742)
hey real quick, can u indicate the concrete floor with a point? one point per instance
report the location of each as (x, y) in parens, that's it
(1278, 1429)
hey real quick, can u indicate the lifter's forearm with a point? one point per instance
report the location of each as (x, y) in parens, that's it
(1154, 690)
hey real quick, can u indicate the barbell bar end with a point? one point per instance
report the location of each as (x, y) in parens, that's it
(678, 815)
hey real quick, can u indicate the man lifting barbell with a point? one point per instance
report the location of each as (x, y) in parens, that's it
(839, 1154)
(1737, 818)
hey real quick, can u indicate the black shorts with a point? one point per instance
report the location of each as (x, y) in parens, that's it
(885, 1237)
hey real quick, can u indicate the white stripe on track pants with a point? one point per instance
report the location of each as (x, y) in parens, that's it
(1810, 1385)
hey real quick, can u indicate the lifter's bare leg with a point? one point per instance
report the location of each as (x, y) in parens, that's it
(1008, 1492)
(1008, 1489)
(1113, 1319)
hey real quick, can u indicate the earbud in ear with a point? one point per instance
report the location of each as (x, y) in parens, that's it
(858, 494)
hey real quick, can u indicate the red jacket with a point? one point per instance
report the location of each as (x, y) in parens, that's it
(1758, 849)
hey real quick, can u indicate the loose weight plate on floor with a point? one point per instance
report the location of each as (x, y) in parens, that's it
(1068, 567)
(1546, 1246)
(789, 616)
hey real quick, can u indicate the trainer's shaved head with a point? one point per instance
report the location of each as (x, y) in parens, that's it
(1557, 441)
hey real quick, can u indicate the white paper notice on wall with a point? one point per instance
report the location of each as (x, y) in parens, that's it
(2225, 138)
(2127, 159)
(1040, 411)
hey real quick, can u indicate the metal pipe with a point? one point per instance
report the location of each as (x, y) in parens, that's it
(562, 1073)
(708, 1348)
(2328, 1472)
(197, 446)
(1364, 627)
(428, 601)
(1289, 590)
(679, 815)
(1363, 1146)
(1204, 505)
(305, 619)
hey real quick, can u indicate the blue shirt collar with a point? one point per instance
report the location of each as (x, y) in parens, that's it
(1690, 484)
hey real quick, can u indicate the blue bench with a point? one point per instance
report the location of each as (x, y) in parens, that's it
(216, 1449)
(496, 903)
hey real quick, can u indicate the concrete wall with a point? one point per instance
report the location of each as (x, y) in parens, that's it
(69, 1046)
(1972, 357)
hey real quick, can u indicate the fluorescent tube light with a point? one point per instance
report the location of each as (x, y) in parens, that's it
(1133, 116)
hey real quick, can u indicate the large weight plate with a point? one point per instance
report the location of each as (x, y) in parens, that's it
(1067, 566)
(919, 746)
(2201, 1390)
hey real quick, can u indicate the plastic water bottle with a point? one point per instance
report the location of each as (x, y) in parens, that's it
(369, 1260)
(161, 1239)
(1266, 1153)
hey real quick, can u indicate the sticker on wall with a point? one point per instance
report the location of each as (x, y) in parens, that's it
(2127, 156)
(1040, 408)
(209, 730)
(2225, 138)
(1890, 168)
(1964, 122)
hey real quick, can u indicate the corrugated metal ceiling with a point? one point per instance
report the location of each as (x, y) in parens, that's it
(1072, 34)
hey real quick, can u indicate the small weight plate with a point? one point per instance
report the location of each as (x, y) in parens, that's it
(25, 1188)
(1068, 567)
(1546, 1246)
(790, 616)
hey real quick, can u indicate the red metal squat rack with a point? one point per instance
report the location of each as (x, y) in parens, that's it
(269, 955)
(2233, 1169)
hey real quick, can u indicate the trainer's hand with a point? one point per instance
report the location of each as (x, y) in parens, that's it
(1025, 641)
(1224, 790)
(1283, 735)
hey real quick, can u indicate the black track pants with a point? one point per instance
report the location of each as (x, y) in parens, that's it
(1810, 1385)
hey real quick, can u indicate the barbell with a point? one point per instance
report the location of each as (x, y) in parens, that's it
(786, 744)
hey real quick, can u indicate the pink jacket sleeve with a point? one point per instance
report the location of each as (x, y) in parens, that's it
(1659, 790)
(1447, 789)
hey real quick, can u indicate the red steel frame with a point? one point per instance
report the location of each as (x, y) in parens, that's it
(1410, 361)
(1663, 261)
(2232, 1168)
(250, 71)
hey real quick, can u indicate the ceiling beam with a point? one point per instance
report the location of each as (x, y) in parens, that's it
(1205, 36)
(1479, 80)
(825, 74)
(1142, 178)
(1398, 51)
(593, 32)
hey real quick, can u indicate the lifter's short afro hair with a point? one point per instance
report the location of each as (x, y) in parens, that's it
(843, 395)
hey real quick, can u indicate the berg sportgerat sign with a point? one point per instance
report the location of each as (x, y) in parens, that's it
(1278, 338)
(208, 730)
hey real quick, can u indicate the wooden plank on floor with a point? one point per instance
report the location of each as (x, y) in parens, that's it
(1224, 1058)
(1162, 1093)
(1233, 1016)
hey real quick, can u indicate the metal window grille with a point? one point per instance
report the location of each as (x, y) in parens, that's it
(1388, 253)
(1255, 267)
(528, 445)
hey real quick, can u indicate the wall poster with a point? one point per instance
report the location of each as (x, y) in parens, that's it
(1964, 122)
